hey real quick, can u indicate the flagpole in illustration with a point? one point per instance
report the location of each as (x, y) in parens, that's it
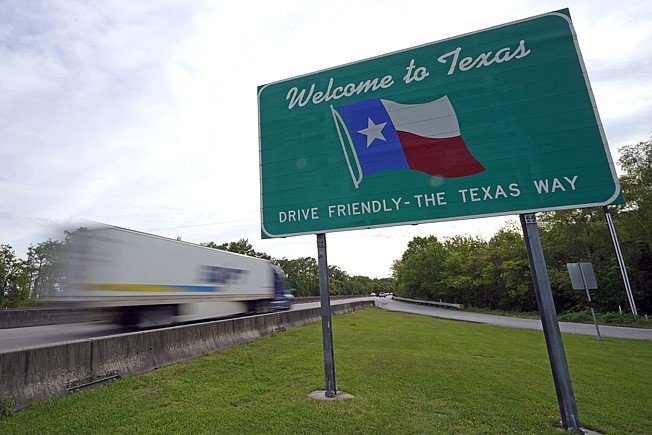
(339, 124)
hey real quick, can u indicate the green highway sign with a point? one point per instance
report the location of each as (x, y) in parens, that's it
(496, 122)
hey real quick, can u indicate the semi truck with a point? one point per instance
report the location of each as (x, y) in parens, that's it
(152, 281)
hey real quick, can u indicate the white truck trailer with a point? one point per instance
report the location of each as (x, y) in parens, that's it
(153, 280)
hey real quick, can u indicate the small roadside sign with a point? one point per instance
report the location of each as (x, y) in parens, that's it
(582, 276)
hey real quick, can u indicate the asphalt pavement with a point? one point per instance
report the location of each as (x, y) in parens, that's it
(512, 322)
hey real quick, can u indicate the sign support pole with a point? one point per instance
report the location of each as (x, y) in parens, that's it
(588, 296)
(326, 324)
(621, 261)
(565, 398)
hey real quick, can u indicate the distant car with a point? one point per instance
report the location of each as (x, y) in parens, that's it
(373, 294)
(382, 294)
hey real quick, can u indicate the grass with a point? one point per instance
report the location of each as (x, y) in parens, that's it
(409, 374)
(521, 314)
(614, 319)
(584, 316)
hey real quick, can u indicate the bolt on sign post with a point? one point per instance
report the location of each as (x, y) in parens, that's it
(496, 122)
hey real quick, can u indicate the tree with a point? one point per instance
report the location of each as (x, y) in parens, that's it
(339, 282)
(580, 235)
(14, 290)
(633, 221)
(636, 183)
(44, 262)
(242, 246)
(387, 285)
(468, 270)
(302, 275)
(363, 285)
(507, 283)
(418, 271)
(459, 282)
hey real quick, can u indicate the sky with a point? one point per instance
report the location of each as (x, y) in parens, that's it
(143, 114)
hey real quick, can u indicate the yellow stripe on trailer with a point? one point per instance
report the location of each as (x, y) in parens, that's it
(148, 288)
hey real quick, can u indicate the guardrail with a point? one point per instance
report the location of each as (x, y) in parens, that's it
(438, 304)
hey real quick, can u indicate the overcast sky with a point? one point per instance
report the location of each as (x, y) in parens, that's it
(143, 114)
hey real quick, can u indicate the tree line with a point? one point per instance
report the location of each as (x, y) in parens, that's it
(302, 273)
(25, 282)
(495, 274)
(492, 273)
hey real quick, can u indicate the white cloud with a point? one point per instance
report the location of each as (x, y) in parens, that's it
(143, 113)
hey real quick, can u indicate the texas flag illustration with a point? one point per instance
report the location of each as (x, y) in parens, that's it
(382, 134)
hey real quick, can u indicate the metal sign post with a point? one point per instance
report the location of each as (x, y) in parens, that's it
(583, 278)
(621, 261)
(565, 398)
(326, 324)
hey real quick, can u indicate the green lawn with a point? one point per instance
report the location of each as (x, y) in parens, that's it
(409, 374)
(585, 316)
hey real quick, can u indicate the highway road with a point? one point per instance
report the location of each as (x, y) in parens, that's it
(36, 336)
(512, 322)
(48, 335)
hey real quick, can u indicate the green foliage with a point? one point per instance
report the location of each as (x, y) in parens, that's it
(14, 289)
(611, 318)
(339, 282)
(459, 281)
(24, 281)
(242, 246)
(45, 275)
(636, 162)
(302, 275)
(507, 279)
(468, 270)
(419, 270)
(634, 220)
(496, 275)
(7, 405)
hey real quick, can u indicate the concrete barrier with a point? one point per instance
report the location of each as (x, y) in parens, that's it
(27, 317)
(38, 373)
(30, 375)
